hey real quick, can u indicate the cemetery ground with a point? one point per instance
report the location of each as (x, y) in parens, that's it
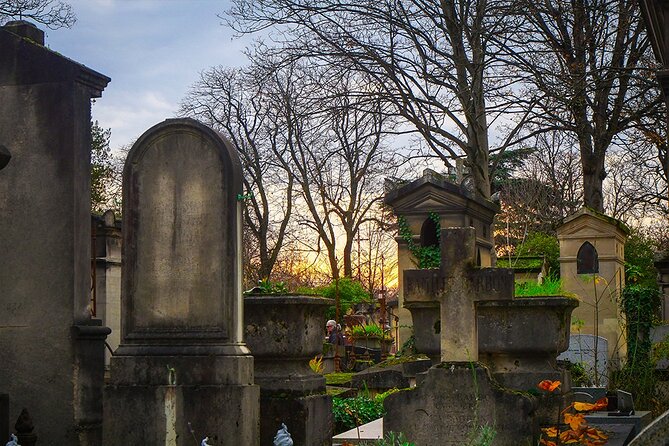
(196, 360)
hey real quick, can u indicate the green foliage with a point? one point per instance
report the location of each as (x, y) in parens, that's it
(350, 292)
(544, 245)
(641, 381)
(640, 305)
(482, 436)
(639, 267)
(367, 331)
(268, 287)
(102, 167)
(352, 412)
(408, 348)
(379, 398)
(426, 257)
(550, 287)
(338, 379)
(390, 439)
(579, 375)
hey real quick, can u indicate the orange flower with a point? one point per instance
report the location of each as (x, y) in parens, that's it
(549, 386)
(600, 404)
(547, 442)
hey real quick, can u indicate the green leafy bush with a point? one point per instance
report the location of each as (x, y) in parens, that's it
(544, 245)
(367, 331)
(352, 412)
(639, 266)
(350, 292)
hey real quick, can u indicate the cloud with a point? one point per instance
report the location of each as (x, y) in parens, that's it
(129, 115)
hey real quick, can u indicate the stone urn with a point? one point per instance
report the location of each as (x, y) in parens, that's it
(520, 339)
(283, 333)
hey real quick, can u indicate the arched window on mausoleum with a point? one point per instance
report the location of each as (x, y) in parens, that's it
(428, 233)
(587, 261)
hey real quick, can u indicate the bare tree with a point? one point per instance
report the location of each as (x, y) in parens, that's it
(433, 61)
(235, 103)
(590, 62)
(52, 13)
(334, 148)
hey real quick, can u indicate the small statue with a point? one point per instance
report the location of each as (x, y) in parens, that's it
(205, 442)
(283, 437)
(13, 441)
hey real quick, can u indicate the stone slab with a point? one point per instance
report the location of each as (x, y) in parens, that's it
(619, 434)
(367, 432)
(639, 420)
(453, 401)
(655, 434)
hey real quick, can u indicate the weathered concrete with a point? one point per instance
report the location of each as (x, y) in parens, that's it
(284, 332)
(51, 347)
(181, 359)
(453, 402)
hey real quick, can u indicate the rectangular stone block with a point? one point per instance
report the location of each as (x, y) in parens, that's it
(181, 415)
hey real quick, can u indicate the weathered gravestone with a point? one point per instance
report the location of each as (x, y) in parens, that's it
(181, 364)
(459, 397)
(52, 350)
(592, 353)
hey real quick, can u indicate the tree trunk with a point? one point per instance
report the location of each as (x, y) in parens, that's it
(593, 177)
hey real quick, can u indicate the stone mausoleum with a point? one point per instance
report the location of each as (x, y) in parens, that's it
(440, 195)
(592, 266)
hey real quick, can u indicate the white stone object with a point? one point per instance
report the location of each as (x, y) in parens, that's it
(283, 437)
(13, 441)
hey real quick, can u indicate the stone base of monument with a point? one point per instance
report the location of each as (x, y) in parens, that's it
(145, 403)
(453, 402)
(284, 332)
(304, 416)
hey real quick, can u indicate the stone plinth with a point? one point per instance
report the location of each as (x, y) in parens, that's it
(520, 339)
(283, 333)
(592, 266)
(453, 402)
(52, 349)
(182, 363)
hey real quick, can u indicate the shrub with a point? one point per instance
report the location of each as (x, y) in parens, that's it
(367, 331)
(350, 292)
(352, 412)
(540, 244)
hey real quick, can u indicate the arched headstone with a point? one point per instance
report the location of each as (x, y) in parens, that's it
(181, 294)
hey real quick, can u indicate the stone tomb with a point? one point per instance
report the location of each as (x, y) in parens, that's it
(181, 364)
(51, 348)
(459, 397)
